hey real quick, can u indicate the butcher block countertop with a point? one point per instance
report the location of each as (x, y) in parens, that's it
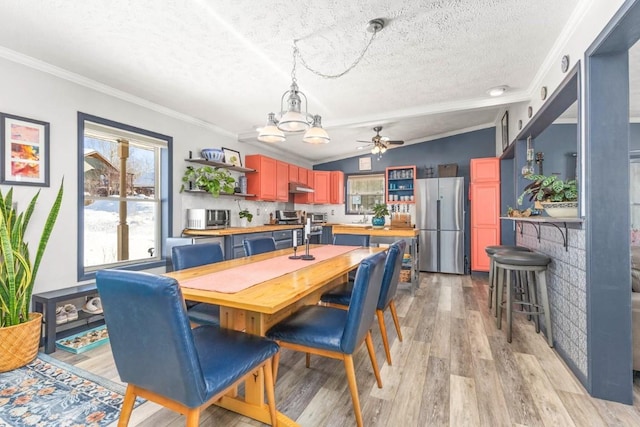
(240, 230)
(367, 229)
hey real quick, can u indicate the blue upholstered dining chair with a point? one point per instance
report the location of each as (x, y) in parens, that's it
(162, 359)
(351, 239)
(188, 256)
(259, 245)
(341, 297)
(337, 333)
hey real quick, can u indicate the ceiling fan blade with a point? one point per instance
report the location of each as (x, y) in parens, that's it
(395, 142)
(365, 141)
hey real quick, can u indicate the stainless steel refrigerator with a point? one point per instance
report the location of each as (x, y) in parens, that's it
(440, 219)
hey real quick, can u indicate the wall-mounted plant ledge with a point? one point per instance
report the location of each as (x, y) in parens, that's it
(536, 221)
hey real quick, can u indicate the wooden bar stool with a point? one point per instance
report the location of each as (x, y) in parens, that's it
(534, 264)
(490, 250)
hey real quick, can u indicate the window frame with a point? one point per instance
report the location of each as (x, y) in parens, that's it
(165, 210)
(347, 194)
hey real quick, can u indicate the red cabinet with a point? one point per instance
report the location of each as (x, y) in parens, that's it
(321, 185)
(484, 194)
(262, 182)
(400, 184)
(282, 181)
(336, 190)
(293, 173)
(302, 175)
(306, 198)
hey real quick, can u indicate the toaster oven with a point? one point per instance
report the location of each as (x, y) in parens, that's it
(207, 219)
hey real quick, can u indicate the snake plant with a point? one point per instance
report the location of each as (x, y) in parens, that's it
(17, 273)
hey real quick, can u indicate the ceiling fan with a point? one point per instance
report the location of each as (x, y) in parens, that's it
(379, 144)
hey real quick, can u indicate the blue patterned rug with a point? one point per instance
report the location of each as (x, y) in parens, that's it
(48, 392)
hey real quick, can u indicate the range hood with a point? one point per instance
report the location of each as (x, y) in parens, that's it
(298, 188)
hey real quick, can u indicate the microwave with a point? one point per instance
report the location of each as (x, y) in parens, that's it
(205, 219)
(317, 217)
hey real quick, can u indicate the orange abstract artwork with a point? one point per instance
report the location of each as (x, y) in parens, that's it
(25, 152)
(26, 170)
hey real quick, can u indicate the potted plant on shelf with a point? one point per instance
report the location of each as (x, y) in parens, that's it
(209, 179)
(380, 210)
(19, 329)
(558, 198)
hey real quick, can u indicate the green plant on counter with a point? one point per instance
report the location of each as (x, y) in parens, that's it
(244, 213)
(549, 189)
(17, 273)
(207, 178)
(380, 210)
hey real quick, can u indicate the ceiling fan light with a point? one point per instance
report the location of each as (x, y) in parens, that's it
(375, 149)
(383, 149)
(316, 135)
(270, 132)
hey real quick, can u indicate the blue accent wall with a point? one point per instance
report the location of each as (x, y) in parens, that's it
(559, 143)
(458, 149)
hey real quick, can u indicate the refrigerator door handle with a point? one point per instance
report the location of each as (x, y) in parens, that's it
(438, 234)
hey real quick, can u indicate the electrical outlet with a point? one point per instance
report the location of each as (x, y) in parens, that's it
(333, 212)
(257, 211)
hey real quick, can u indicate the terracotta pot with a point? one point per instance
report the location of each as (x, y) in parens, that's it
(19, 344)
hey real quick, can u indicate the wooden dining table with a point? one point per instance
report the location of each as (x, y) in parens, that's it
(255, 309)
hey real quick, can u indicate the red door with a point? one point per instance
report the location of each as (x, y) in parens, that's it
(484, 193)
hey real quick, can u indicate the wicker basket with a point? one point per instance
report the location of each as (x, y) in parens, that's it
(19, 344)
(405, 276)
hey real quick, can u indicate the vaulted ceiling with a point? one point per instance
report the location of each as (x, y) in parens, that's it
(227, 62)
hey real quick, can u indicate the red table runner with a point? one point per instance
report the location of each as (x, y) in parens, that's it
(242, 277)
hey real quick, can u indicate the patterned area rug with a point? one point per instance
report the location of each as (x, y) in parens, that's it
(48, 392)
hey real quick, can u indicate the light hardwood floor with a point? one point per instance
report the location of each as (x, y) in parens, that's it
(454, 368)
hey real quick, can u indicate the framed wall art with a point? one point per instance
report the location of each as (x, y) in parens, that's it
(232, 157)
(505, 130)
(24, 151)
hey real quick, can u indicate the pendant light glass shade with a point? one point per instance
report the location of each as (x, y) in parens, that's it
(271, 133)
(293, 119)
(316, 135)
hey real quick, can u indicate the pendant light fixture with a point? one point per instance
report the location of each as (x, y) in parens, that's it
(296, 118)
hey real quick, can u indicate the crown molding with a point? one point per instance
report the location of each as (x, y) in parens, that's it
(61, 73)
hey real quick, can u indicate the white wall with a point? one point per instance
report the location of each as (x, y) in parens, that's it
(39, 95)
(585, 25)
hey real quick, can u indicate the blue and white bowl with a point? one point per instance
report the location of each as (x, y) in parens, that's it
(212, 154)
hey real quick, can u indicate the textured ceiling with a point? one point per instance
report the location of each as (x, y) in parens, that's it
(227, 62)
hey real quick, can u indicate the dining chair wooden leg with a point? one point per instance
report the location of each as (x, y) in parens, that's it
(127, 407)
(383, 332)
(308, 360)
(353, 387)
(276, 363)
(394, 315)
(270, 390)
(193, 417)
(372, 356)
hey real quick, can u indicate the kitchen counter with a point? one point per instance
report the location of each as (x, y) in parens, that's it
(240, 230)
(368, 229)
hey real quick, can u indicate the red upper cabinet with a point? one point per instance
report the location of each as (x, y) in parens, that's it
(282, 181)
(321, 186)
(293, 173)
(485, 170)
(262, 182)
(303, 174)
(306, 198)
(336, 193)
(484, 192)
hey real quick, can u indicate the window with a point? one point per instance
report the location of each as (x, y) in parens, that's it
(124, 198)
(363, 192)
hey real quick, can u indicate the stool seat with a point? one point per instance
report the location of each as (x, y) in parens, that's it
(520, 258)
(490, 250)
